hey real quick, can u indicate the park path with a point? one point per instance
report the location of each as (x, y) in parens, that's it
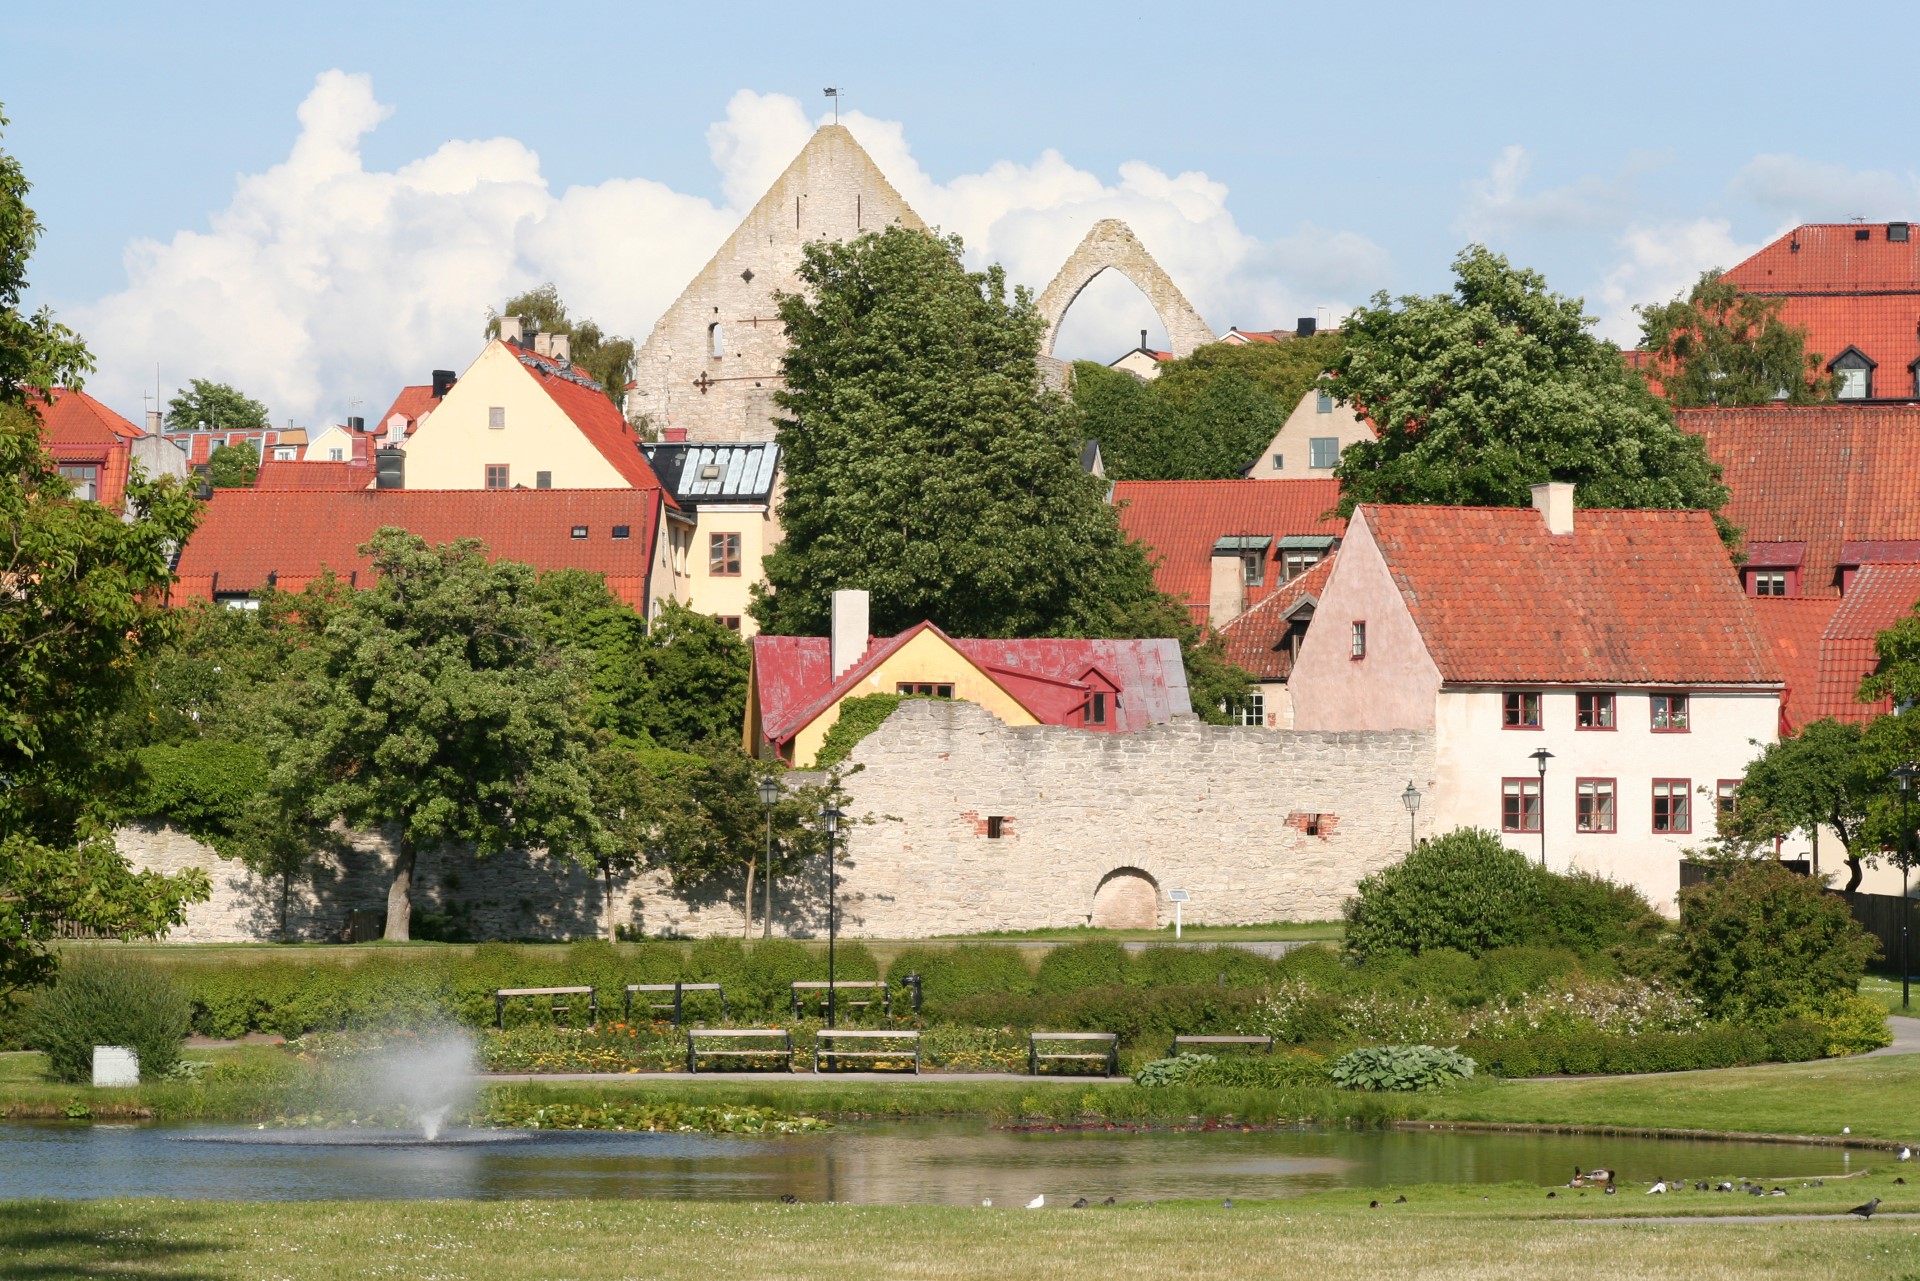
(1906, 1036)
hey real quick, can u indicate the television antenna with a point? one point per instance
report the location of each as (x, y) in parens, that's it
(835, 95)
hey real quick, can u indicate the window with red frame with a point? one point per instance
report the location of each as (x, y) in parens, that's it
(1669, 713)
(497, 476)
(1520, 805)
(1672, 807)
(723, 555)
(1593, 809)
(1521, 709)
(1593, 710)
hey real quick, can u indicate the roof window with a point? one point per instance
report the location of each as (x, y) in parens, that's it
(579, 531)
(1897, 232)
(620, 531)
(1856, 375)
(1861, 233)
(710, 472)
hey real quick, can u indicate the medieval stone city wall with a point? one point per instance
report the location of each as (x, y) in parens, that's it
(1257, 825)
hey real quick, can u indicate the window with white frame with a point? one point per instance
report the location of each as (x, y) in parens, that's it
(85, 479)
(497, 417)
(1249, 709)
(1323, 452)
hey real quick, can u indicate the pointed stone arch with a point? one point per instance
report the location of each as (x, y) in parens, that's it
(1111, 245)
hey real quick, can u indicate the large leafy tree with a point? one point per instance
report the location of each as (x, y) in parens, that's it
(1719, 346)
(80, 605)
(1483, 392)
(607, 357)
(1817, 778)
(215, 407)
(696, 679)
(438, 705)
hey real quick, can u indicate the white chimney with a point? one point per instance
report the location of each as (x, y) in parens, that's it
(560, 347)
(1227, 587)
(156, 422)
(850, 614)
(543, 344)
(1554, 502)
(509, 329)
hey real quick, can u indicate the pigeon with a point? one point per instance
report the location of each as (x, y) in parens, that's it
(1552, 1195)
(1080, 1203)
(1866, 1211)
(1658, 1189)
(1227, 1204)
(1109, 1201)
(1399, 1200)
(788, 1198)
(1037, 1202)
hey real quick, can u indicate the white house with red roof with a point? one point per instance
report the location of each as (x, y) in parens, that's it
(1617, 643)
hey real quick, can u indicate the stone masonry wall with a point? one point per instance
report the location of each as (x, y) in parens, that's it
(1258, 825)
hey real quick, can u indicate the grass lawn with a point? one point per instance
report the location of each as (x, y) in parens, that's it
(1510, 1235)
(1887, 991)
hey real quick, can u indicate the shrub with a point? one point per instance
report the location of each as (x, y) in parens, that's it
(949, 974)
(1593, 1054)
(1319, 964)
(109, 1000)
(1762, 942)
(1399, 1067)
(1075, 967)
(1177, 1070)
(1263, 1071)
(1589, 913)
(1852, 1024)
(1464, 890)
(1515, 971)
(1195, 966)
(1797, 1040)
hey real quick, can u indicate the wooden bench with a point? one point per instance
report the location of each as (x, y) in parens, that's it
(1188, 1042)
(831, 1037)
(501, 995)
(1110, 1056)
(842, 985)
(679, 990)
(696, 1052)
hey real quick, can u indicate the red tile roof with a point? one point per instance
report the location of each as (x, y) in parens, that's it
(1255, 641)
(1776, 555)
(78, 429)
(590, 410)
(1881, 595)
(1872, 551)
(313, 475)
(412, 403)
(1819, 474)
(1794, 627)
(248, 534)
(1629, 598)
(1179, 520)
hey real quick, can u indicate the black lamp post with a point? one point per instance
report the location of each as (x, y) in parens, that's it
(769, 793)
(1905, 776)
(831, 817)
(1411, 799)
(1540, 757)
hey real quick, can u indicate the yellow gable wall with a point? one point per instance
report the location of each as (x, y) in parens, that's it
(453, 448)
(925, 658)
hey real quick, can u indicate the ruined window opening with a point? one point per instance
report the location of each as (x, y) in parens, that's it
(716, 341)
(1313, 825)
(996, 827)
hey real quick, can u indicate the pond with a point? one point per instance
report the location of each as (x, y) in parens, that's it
(902, 1162)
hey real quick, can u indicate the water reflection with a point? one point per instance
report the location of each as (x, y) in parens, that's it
(950, 1162)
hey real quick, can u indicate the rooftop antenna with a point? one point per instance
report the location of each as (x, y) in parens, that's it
(835, 95)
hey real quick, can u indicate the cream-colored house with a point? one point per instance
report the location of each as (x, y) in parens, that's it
(1309, 445)
(731, 491)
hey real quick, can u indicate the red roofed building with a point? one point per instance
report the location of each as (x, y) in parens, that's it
(1814, 484)
(1223, 546)
(411, 407)
(251, 538)
(1855, 289)
(1617, 642)
(96, 449)
(1794, 627)
(798, 683)
(1265, 641)
(314, 475)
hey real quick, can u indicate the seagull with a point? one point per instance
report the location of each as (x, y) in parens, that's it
(1866, 1211)
(1037, 1202)
(1658, 1189)
(1846, 1129)
(1227, 1204)
(1080, 1203)
(1906, 1154)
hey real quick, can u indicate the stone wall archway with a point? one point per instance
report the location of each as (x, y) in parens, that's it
(1126, 899)
(1111, 245)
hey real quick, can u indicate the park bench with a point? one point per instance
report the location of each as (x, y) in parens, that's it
(885, 1043)
(1109, 1056)
(502, 995)
(696, 1051)
(679, 991)
(843, 985)
(1217, 1042)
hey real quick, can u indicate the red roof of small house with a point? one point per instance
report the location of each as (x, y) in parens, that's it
(1628, 598)
(1776, 555)
(78, 430)
(1872, 551)
(1824, 475)
(1256, 641)
(1179, 520)
(582, 401)
(313, 475)
(248, 537)
(412, 404)
(1794, 627)
(1881, 595)
(793, 677)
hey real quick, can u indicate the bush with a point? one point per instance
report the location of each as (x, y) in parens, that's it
(1399, 1067)
(949, 974)
(1797, 1040)
(1177, 1070)
(1512, 972)
(1074, 967)
(1762, 943)
(108, 1000)
(1594, 1054)
(1221, 966)
(1589, 913)
(1464, 890)
(1852, 1023)
(1141, 1016)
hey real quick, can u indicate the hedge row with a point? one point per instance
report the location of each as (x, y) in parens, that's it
(1592, 1054)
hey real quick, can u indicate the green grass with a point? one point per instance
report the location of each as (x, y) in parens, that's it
(1513, 1233)
(1887, 991)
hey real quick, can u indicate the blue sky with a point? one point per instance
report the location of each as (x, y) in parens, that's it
(270, 196)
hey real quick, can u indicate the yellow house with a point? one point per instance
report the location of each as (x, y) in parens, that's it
(732, 493)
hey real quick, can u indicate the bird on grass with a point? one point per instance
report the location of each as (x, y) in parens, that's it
(1399, 1200)
(1902, 1182)
(1373, 1205)
(1723, 1187)
(1866, 1211)
(1037, 1202)
(1609, 1189)
(1658, 1189)
(788, 1198)
(1079, 1203)
(1552, 1195)
(1109, 1201)
(1227, 1204)
(987, 1204)
(1906, 1154)
(1701, 1186)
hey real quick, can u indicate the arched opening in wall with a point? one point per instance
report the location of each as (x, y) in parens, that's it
(1105, 321)
(1126, 899)
(716, 341)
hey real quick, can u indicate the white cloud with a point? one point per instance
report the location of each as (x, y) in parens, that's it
(1802, 190)
(1660, 261)
(1498, 203)
(323, 281)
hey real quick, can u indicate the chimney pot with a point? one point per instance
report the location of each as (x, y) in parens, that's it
(674, 435)
(1143, 340)
(510, 329)
(156, 422)
(1226, 587)
(1305, 327)
(851, 612)
(443, 380)
(356, 424)
(1554, 502)
(543, 344)
(560, 347)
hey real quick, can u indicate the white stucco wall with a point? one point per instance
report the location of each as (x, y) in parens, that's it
(1292, 444)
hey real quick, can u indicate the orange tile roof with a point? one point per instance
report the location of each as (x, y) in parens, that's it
(1794, 627)
(1255, 641)
(313, 474)
(412, 403)
(76, 428)
(1179, 520)
(1629, 598)
(1881, 595)
(1818, 474)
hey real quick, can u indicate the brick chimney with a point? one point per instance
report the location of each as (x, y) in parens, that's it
(1554, 502)
(850, 629)
(1226, 587)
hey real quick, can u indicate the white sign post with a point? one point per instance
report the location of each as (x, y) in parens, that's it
(1179, 900)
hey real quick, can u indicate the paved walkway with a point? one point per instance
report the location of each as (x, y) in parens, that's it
(1906, 1036)
(789, 1078)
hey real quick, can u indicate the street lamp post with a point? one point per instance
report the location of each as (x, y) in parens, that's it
(831, 817)
(1540, 757)
(1905, 776)
(1411, 799)
(769, 793)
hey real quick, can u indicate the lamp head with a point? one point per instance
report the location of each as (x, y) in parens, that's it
(1904, 776)
(769, 789)
(1411, 798)
(831, 817)
(1540, 757)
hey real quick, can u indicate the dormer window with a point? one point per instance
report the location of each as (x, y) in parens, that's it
(1097, 709)
(1254, 568)
(1897, 232)
(1855, 373)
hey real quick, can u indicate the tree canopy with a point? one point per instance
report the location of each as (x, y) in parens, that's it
(211, 406)
(233, 466)
(607, 357)
(1719, 346)
(1481, 393)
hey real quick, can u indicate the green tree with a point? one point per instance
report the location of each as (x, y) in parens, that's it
(1719, 346)
(1286, 371)
(1483, 392)
(438, 704)
(608, 358)
(1464, 890)
(607, 638)
(1139, 433)
(233, 466)
(1816, 778)
(215, 407)
(695, 674)
(1762, 942)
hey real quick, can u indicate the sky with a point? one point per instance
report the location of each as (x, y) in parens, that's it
(319, 206)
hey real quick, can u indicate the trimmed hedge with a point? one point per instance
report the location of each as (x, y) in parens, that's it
(1592, 1054)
